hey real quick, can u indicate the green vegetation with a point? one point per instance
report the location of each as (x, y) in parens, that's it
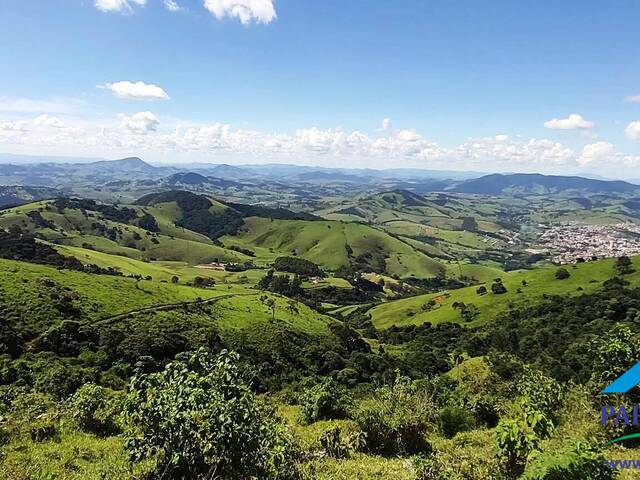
(193, 338)
(586, 276)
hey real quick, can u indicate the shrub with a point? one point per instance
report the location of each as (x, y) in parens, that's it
(334, 443)
(562, 273)
(199, 419)
(398, 419)
(453, 420)
(469, 456)
(498, 288)
(520, 436)
(577, 462)
(324, 401)
(94, 409)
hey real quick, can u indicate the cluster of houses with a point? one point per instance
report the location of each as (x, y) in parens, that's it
(574, 241)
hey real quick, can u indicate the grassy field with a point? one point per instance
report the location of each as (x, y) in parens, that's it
(34, 289)
(76, 228)
(325, 243)
(588, 276)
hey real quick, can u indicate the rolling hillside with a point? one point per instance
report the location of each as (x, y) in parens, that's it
(332, 245)
(585, 277)
(537, 184)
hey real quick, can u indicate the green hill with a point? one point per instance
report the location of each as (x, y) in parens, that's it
(540, 281)
(333, 245)
(117, 231)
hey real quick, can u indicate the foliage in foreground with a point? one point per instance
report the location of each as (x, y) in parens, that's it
(198, 418)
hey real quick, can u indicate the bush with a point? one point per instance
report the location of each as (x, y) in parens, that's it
(94, 409)
(562, 273)
(199, 419)
(469, 456)
(578, 462)
(398, 419)
(498, 288)
(334, 443)
(453, 420)
(324, 401)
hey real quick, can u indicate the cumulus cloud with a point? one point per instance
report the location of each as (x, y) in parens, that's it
(247, 11)
(48, 121)
(172, 6)
(142, 132)
(596, 152)
(17, 126)
(386, 124)
(118, 5)
(572, 122)
(141, 123)
(501, 149)
(633, 131)
(137, 91)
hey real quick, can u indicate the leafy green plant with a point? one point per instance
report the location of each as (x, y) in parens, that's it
(577, 462)
(398, 419)
(335, 443)
(520, 436)
(198, 418)
(452, 420)
(324, 401)
(94, 409)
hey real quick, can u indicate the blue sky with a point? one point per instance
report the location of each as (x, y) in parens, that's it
(463, 84)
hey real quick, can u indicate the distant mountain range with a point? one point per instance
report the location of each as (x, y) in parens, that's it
(131, 177)
(532, 184)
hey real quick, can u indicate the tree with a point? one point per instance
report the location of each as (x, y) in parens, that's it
(624, 265)
(498, 288)
(199, 419)
(562, 273)
(482, 290)
(175, 279)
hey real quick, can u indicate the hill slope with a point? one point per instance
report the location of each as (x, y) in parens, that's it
(537, 184)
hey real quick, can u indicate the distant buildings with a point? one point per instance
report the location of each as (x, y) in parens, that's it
(573, 241)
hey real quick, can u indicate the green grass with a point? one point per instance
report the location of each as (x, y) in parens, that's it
(540, 281)
(71, 455)
(29, 286)
(172, 243)
(325, 243)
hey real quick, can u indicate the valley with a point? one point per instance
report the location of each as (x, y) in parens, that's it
(337, 292)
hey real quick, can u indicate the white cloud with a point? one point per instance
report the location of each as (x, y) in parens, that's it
(596, 152)
(633, 98)
(247, 11)
(386, 124)
(30, 105)
(142, 132)
(118, 5)
(141, 123)
(137, 91)
(572, 122)
(17, 126)
(502, 150)
(633, 131)
(172, 6)
(48, 121)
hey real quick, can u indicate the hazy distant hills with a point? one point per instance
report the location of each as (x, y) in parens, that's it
(279, 184)
(537, 184)
(15, 195)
